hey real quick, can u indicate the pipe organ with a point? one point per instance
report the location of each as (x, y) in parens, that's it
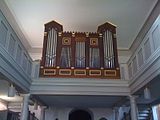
(79, 54)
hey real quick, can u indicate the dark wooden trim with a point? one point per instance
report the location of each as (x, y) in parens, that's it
(58, 50)
(87, 51)
(44, 48)
(101, 51)
(115, 49)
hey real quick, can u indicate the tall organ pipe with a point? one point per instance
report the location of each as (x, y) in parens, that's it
(51, 48)
(108, 50)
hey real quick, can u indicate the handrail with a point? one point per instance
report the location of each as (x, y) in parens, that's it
(12, 44)
(31, 116)
(145, 52)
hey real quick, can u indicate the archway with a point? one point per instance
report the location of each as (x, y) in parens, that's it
(80, 115)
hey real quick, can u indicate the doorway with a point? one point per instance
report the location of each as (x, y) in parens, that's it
(79, 115)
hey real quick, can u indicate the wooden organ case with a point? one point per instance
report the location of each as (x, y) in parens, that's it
(80, 54)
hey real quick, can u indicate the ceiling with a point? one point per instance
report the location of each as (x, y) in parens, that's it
(81, 15)
(79, 101)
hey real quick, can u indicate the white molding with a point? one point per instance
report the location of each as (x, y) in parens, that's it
(78, 86)
(146, 26)
(148, 71)
(13, 22)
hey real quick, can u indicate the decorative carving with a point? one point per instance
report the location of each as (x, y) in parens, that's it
(66, 41)
(59, 33)
(100, 34)
(80, 39)
(87, 34)
(49, 72)
(45, 33)
(79, 72)
(94, 41)
(64, 72)
(110, 73)
(73, 34)
(95, 72)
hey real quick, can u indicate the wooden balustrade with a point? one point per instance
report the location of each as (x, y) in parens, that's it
(79, 54)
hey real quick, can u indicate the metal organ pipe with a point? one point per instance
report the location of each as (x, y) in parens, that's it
(47, 50)
(54, 48)
(80, 54)
(83, 54)
(105, 49)
(51, 48)
(112, 52)
(69, 55)
(108, 50)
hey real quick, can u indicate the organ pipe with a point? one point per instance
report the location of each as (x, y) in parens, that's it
(108, 50)
(80, 54)
(51, 48)
(94, 58)
(65, 57)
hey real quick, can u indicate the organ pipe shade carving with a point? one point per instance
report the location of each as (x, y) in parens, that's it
(65, 57)
(79, 54)
(94, 58)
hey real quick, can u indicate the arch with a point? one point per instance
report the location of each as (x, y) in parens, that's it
(103, 118)
(80, 114)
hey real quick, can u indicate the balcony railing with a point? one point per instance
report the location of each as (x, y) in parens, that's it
(15, 62)
(79, 54)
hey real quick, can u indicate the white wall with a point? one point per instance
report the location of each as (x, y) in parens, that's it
(63, 113)
(3, 105)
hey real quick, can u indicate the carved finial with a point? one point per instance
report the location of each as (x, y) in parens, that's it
(73, 34)
(87, 34)
(45, 33)
(100, 34)
(59, 33)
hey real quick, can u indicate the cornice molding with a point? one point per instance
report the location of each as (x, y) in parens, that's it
(14, 24)
(63, 86)
(146, 26)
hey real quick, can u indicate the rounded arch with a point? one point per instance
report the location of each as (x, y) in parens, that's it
(103, 118)
(80, 114)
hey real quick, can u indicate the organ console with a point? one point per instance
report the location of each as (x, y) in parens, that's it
(79, 54)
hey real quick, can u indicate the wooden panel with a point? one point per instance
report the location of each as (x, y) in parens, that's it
(134, 65)
(147, 49)
(130, 70)
(19, 54)
(156, 37)
(3, 33)
(80, 72)
(140, 58)
(49, 72)
(94, 72)
(11, 47)
(65, 72)
(110, 73)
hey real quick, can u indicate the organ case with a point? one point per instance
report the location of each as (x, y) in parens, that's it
(79, 54)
